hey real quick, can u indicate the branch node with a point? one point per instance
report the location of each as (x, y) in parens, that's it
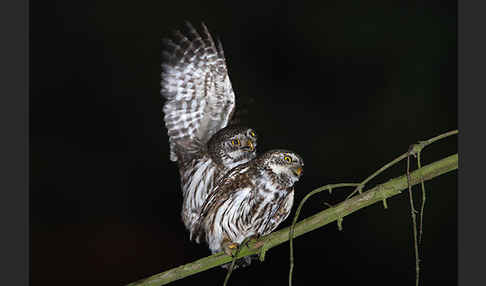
(358, 189)
(414, 149)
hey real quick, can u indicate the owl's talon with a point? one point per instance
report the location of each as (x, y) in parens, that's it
(229, 248)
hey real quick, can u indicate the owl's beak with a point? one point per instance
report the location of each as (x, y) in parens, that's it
(298, 171)
(251, 146)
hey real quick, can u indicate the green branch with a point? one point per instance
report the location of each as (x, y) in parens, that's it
(377, 194)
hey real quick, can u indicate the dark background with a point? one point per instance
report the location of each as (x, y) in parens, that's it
(349, 85)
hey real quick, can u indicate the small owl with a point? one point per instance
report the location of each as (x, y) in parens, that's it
(199, 104)
(229, 147)
(251, 200)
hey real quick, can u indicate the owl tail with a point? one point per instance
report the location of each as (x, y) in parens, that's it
(197, 233)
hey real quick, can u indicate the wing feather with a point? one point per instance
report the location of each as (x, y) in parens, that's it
(198, 92)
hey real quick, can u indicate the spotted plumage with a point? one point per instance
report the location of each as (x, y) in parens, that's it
(251, 200)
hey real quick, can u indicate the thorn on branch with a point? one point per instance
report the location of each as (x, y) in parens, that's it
(384, 204)
(340, 223)
(328, 204)
(261, 255)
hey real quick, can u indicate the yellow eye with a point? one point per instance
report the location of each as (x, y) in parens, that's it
(288, 159)
(252, 134)
(235, 142)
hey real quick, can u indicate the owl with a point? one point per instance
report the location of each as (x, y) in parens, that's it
(250, 201)
(227, 148)
(199, 104)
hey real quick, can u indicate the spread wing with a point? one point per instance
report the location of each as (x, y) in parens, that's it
(195, 82)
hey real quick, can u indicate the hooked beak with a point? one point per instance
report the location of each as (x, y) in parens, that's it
(298, 171)
(250, 145)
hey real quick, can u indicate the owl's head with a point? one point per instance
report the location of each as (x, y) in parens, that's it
(283, 165)
(232, 146)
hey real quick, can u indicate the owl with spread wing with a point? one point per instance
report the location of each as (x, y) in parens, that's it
(199, 105)
(250, 201)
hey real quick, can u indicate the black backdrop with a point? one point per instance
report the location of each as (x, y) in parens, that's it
(349, 85)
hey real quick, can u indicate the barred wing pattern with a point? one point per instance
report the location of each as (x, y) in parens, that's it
(195, 82)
